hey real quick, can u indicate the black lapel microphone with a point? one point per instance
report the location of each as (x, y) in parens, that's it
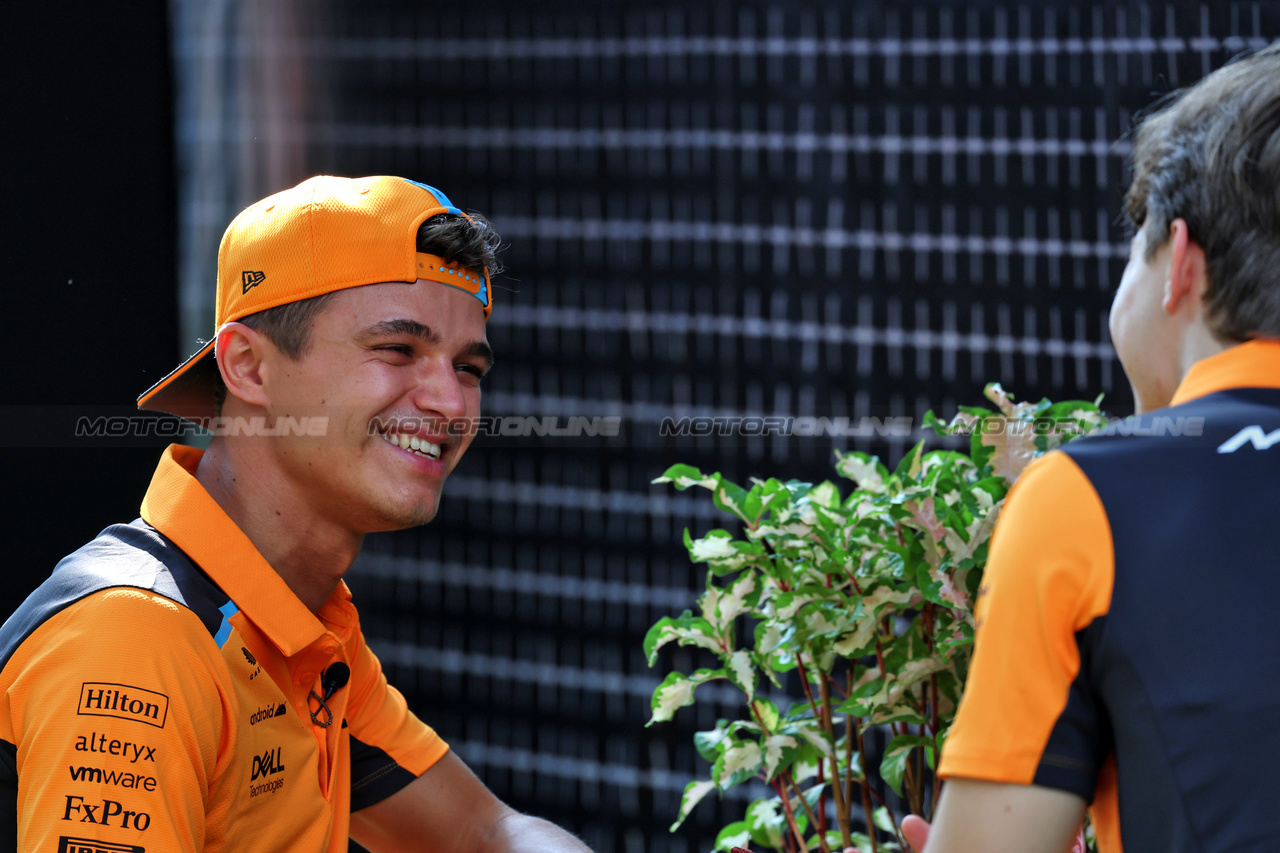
(332, 680)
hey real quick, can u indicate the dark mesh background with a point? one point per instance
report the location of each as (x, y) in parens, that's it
(720, 209)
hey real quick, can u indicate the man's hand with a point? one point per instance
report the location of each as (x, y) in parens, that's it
(916, 830)
(448, 810)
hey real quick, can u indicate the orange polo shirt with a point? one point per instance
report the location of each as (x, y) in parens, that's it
(1127, 621)
(158, 695)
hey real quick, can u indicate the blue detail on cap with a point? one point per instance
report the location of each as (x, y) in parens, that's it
(224, 630)
(440, 197)
(483, 295)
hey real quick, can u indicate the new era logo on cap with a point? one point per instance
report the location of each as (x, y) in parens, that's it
(250, 279)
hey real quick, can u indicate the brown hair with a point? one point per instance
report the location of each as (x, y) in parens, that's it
(1210, 154)
(468, 242)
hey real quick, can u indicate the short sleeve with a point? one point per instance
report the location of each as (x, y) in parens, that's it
(117, 718)
(1028, 715)
(390, 746)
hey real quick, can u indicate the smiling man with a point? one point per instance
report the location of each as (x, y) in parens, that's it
(1125, 653)
(197, 680)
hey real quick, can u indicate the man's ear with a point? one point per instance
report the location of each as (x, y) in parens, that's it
(240, 352)
(1188, 281)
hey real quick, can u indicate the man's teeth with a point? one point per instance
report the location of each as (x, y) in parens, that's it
(414, 444)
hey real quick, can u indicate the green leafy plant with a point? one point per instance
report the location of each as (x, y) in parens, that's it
(865, 599)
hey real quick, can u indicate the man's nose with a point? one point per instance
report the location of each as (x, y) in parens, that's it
(439, 392)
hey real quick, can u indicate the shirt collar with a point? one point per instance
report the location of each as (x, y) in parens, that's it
(1253, 364)
(180, 508)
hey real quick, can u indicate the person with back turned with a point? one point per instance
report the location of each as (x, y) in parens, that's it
(1125, 652)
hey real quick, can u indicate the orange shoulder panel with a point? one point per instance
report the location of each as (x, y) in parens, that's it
(1049, 574)
(380, 716)
(118, 712)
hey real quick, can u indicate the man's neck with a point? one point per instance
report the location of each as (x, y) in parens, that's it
(310, 555)
(1199, 343)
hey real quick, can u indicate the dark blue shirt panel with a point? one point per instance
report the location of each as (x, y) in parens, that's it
(1186, 670)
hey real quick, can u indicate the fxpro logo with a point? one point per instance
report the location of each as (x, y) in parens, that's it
(124, 702)
(103, 813)
(88, 845)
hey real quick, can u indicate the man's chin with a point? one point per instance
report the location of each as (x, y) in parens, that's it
(403, 518)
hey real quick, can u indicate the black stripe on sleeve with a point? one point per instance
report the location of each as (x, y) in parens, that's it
(374, 775)
(8, 796)
(1081, 737)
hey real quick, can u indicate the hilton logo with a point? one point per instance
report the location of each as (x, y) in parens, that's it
(123, 701)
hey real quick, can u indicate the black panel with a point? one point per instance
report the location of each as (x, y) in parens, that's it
(1185, 666)
(1081, 738)
(374, 774)
(8, 797)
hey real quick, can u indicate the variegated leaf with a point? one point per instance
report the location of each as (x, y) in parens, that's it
(774, 747)
(712, 548)
(742, 672)
(676, 691)
(693, 794)
(743, 756)
(732, 602)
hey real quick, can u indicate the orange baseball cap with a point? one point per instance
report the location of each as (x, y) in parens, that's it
(323, 235)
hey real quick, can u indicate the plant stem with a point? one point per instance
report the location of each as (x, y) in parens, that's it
(813, 819)
(791, 818)
(848, 783)
(934, 725)
(822, 795)
(911, 784)
(777, 787)
(842, 808)
(867, 811)
(804, 684)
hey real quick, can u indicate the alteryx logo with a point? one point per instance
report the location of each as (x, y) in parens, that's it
(1250, 435)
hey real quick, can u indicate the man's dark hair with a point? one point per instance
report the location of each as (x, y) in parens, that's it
(1211, 155)
(470, 243)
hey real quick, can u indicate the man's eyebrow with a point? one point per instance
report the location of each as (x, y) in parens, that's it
(405, 326)
(482, 350)
(399, 326)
